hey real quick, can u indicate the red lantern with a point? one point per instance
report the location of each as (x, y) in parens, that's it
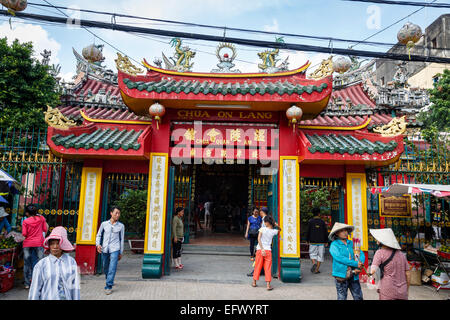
(157, 110)
(294, 114)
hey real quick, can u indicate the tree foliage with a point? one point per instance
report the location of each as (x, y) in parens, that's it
(26, 87)
(438, 115)
(133, 210)
(314, 198)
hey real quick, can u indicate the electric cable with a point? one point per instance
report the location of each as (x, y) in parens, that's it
(249, 42)
(220, 27)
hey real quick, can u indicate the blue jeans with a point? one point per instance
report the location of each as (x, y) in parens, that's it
(31, 256)
(353, 285)
(109, 267)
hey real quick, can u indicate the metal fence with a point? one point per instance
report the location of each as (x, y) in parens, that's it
(53, 184)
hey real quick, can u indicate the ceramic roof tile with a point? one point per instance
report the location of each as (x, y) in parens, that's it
(346, 143)
(101, 138)
(216, 87)
(73, 112)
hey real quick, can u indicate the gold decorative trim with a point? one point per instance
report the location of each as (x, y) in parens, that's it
(324, 70)
(111, 121)
(55, 119)
(395, 127)
(124, 64)
(226, 75)
(365, 124)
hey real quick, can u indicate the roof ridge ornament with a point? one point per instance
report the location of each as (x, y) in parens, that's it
(395, 127)
(124, 64)
(269, 60)
(181, 60)
(324, 70)
(55, 119)
(226, 63)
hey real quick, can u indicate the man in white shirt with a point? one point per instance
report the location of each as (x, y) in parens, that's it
(111, 247)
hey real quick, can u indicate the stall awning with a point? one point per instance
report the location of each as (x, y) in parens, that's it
(437, 190)
(6, 178)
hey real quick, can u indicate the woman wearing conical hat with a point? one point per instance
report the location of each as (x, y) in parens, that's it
(345, 267)
(395, 280)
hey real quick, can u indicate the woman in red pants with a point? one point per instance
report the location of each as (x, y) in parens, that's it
(264, 251)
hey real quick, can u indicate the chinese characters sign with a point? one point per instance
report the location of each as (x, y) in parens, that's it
(156, 206)
(395, 206)
(289, 207)
(89, 204)
(357, 206)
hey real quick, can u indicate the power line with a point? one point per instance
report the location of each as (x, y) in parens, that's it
(405, 3)
(241, 41)
(393, 24)
(112, 46)
(190, 24)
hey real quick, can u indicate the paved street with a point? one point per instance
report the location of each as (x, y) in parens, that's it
(215, 277)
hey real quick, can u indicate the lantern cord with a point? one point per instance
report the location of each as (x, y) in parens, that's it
(241, 41)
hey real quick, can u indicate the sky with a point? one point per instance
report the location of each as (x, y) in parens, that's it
(325, 18)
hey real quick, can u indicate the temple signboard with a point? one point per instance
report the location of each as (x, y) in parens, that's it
(357, 207)
(156, 203)
(399, 207)
(89, 205)
(224, 115)
(289, 207)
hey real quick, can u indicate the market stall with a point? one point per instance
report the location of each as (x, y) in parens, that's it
(9, 240)
(434, 254)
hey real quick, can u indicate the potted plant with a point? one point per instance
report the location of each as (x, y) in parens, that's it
(133, 207)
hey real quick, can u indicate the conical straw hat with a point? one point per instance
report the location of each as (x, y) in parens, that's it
(339, 226)
(3, 213)
(385, 236)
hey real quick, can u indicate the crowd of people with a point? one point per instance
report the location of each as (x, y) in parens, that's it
(56, 276)
(50, 273)
(388, 262)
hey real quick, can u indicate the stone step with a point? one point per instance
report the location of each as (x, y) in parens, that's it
(217, 250)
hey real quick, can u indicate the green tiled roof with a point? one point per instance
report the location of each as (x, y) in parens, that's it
(101, 138)
(205, 87)
(333, 143)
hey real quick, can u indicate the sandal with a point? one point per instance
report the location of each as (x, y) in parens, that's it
(269, 288)
(254, 284)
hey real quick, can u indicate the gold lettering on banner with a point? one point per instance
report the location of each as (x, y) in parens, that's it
(260, 135)
(235, 135)
(189, 135)
(212, 134)
(255, 154)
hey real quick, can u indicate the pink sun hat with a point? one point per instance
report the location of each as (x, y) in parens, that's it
(59, 233)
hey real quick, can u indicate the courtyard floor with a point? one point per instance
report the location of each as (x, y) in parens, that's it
(221, 277)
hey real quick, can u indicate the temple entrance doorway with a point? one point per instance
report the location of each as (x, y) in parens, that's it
(229, 192)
